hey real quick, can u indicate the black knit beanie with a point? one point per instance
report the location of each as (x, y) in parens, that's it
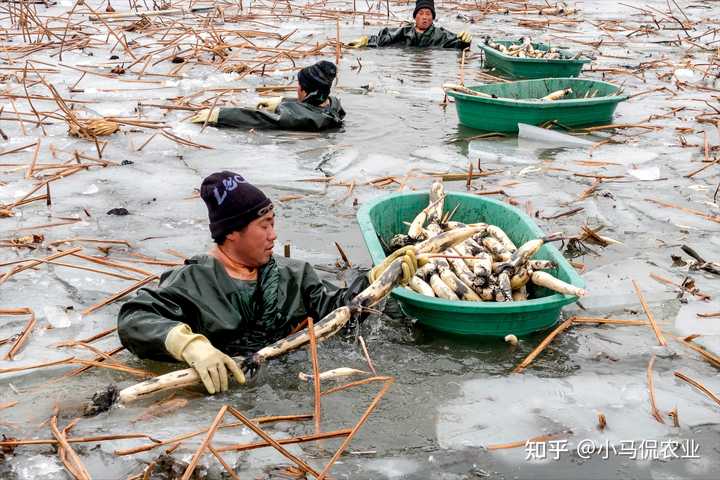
(420, 4)
(317, 79)
(232, 202)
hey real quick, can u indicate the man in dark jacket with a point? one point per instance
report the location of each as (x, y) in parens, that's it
(422, 33)
(314, 109)
(235, 300)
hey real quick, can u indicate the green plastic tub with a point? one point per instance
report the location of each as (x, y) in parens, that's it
(519, 102)
(383, 218)
(515, 67)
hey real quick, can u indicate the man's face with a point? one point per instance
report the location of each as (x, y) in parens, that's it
(253, 245)
(301, 94)
(423, 19)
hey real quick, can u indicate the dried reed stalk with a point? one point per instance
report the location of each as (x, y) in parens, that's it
(5, 405)
(206, 441)
(522, 443)
(53, 441)
(356, 383)
(37, 365)
(609, 321)
(316, 373)
(99, 358)
(90, 339)
(261, 433)
(710, 357)
(529, 359)
(356, 428)
(180, 438)
(222, 461)
(286, 441)
(699, 386)
(113, 264)
(68, 456)
(712, 218)
(33, 263)
(367, 355)
(660, 338)
(119, 294)
(22, 338)
(651, 389)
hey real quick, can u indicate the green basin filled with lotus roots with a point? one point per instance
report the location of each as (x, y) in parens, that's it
(590, 103)
(568, 65)
(381, 219)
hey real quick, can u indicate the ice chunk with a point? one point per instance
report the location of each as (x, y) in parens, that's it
(687, 322)
(494, 152)
(91, 190)
(610, 285)
(499, 410)
(613, 153)
(685, 75)
(57, 316)
(40, 467)
(550, 137)
(647, 174)
(439, 155)
(393, 467)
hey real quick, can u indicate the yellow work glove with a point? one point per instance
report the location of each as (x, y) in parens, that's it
(209, 115)
(270, 104)
(409, 264)
(359, 42)
(465, 37)
(209, 362)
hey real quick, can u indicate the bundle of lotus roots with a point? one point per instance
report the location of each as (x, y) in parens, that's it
(486, 267)
(525, 49)
(89, 129)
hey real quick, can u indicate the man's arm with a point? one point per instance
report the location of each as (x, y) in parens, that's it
(238, 117)
(145, 321)
(161, 324)
(447, 39)
(322, 298)
(387, 37)
(294, 115)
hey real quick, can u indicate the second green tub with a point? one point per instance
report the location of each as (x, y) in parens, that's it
(591, 103)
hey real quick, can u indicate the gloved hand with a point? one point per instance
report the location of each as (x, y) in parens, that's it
(209, 362)
(409, 264)
(270, 104)
(208, 114)
(359, 42)
(465, 37)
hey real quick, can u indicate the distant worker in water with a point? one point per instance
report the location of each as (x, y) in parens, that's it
(421, 33)
(313, 110)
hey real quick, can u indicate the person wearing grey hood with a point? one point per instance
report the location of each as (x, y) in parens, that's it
(313, 110)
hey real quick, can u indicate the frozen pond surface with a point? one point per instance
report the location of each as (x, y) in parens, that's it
(452, 396)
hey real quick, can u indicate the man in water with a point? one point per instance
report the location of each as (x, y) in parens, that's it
(313, 110)
(421, 33)
(236, 299)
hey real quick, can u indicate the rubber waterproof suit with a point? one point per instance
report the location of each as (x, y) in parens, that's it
(237, 317)
(409, 37)
(289, 115)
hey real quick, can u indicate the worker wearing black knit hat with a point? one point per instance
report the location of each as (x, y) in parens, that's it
(313, 110)
(232, 203)
(314, 82)
(239, 297)
(421, 33)
(420, 4)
